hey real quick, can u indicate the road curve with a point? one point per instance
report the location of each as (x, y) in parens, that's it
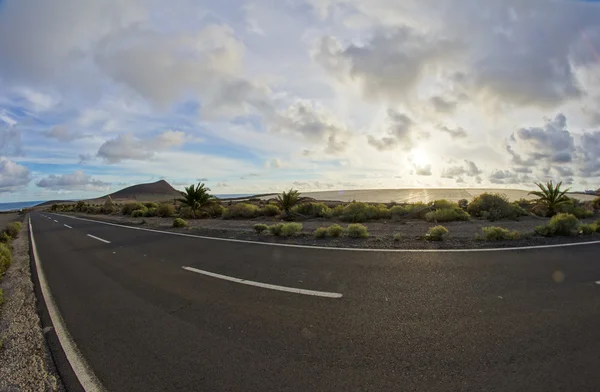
(145, 319)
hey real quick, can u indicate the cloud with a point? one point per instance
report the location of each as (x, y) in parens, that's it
(274, 163)
(202, 179)
(13, 177)
(469, 169)
(589, 154)
(423, 170)
(389, 65)
(77, 180)
(127, 147)
(85, 158)
(10, 141)
(63, 134)
(458, 133)
(400, 133)
(442, 105)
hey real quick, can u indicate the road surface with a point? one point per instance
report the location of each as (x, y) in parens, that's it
(254, 317)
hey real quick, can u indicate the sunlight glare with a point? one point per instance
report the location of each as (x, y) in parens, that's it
(419, 157)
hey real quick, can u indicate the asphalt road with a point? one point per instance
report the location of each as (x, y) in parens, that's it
(479, 321)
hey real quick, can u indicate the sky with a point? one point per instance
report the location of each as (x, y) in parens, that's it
(260, 96)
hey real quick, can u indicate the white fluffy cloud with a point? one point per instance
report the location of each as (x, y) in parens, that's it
(127, 147)
(77, 180)
(13, 176)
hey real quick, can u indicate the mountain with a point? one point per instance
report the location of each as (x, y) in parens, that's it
(154, 191)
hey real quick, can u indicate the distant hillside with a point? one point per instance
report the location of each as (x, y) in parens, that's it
(154, 191)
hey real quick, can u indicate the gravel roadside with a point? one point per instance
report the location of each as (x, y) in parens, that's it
(462, 234)
(25, 361)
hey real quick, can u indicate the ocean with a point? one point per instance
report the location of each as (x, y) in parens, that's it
(15, 206)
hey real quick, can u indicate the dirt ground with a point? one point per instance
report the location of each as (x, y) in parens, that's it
(381, 233)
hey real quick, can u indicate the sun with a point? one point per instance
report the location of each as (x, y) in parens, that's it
(419, 157)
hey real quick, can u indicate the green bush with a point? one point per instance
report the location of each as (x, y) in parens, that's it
(139, 213)
(260, 227)
(150, 205)
(165, 210)
(495, 233)
(494, 207)
(543, 230)
(588, 229)
(335, 230)
(398, 237)
(596, 203)
(436, 233)
(356, 230)
(463, 204)
(447, 215)
(417, 210)
(150, 212)
(240, 210)
(316, 210)
(178, 222)
(289, 229)
(321, 232)
(362, 212)
(336, 211)
(186, 212)
(397, 212)
(5, 258)
(563, 224)
(270, 210)
(581, 212)
(5, 238)
(13, 229)
(443, 204)
(212, 210)
(276, 229)
(128, 208)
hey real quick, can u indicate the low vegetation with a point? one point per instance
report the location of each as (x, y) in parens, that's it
(128, 208)
(260, 227)
(139, 213)
(356, 230)
(590, 228)
(357, 212)
(398, 237)
(447, 215)
(550, 198)
(276, 229)
(289, 229)
(495, 233)
(241, 210)
(12, 229)
(270, 210)
(335, 231)
(197, 197)
(561, 224)
(178, 222)
(288, 200)
(9, 233)
(315, 210)
(493, 207)
(321, 232)
(436, 233)
(165, 210)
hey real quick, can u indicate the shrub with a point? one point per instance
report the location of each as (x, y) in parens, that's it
(289, 229)
(139, 213)
(128, 208)
(150, 205)
(417, 210)
(596, 203)
(260, 227)
(317, 210)
(240, 210)
(563, 224)
(463, 204)
(150, 212)
(397, 212)
(357, 230)
(321, 232)
(447, 215)
(443, 204)
(335, 212)
(398, 237)
(495, 233)
(270, 210)
(581, 212)
(588, 229)
(493, 207)
(5, 258)
(335, 230)
(362, 212)
(5, 238)
(186, 212)
(543, 230)
(212, 210)
(165, 210)
(80, 206)
(436, 233)
(13, 229)
(276, 229)
(178, 222)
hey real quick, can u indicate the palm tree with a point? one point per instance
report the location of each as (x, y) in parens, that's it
(287, 200)
(197, 197)
(551, 197)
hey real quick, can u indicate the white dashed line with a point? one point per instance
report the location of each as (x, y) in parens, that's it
(83, 371)
(265, 285)
(55, 221)
(68, 227)
(98, 238)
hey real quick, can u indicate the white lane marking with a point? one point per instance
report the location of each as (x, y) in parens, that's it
(82, 369)
(98, 238)
(342, 249)
(67, 226)
(55, 221)
(266, 285)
